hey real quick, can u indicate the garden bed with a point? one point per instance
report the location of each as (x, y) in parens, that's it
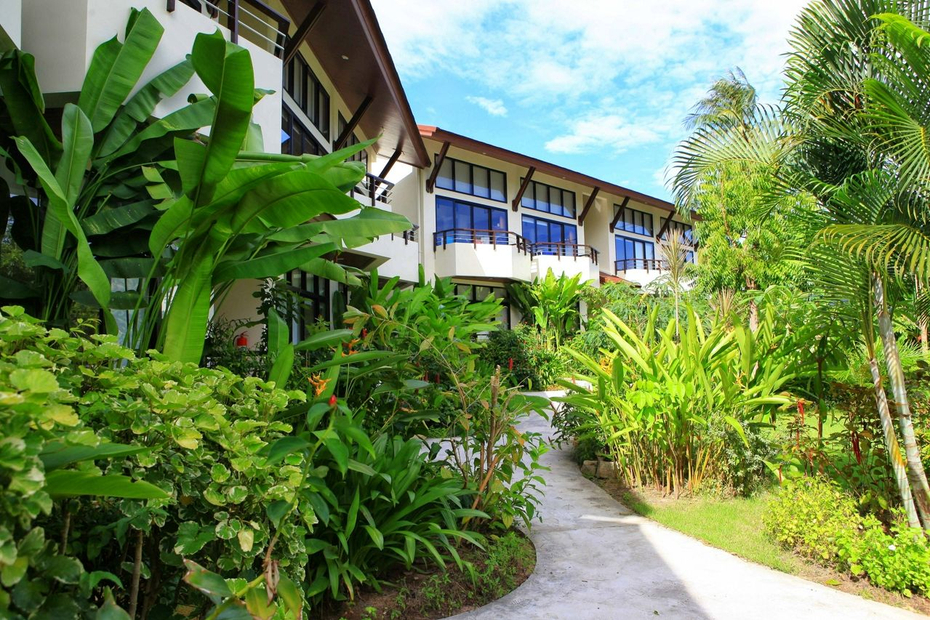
(735, 525)
(430, 592)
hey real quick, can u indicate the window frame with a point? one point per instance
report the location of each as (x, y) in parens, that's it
(309, 94)
(531, 192)
(629, 225)
(454, 165)
(456, 205)
(618, 239)
(536, 221)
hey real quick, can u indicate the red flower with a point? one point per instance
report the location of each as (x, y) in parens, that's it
(332, 400)
(364, 332)
(510, 364)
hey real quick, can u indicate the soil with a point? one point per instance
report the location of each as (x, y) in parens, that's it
(807, 569)
(429, 592)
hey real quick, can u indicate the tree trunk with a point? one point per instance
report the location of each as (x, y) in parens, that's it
(891, 441)
(915, 467)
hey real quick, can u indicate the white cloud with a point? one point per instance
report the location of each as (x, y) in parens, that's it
(592, 76)
(617, 132)
(494, 107)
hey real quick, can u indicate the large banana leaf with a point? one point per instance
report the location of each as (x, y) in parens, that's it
(226, 70)
(116, 68)
(25, 105)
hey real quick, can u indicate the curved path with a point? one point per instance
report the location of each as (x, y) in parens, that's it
(596, 560)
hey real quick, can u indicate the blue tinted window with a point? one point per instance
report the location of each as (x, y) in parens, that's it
(466, 178)
(549, 199)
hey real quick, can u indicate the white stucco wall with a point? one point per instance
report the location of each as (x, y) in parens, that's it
(11, 23)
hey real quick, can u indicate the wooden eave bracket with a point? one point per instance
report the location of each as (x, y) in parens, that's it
(588, 205)
(526, 183)
(613, 222)
(431, 181)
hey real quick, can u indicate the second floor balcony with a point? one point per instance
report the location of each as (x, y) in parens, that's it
(477, 253)
(467, 252)
(641, 271)
(568, 259)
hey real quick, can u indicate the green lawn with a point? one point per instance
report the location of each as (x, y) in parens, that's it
(734, 525)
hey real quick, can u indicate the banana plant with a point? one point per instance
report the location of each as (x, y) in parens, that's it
(151, 200)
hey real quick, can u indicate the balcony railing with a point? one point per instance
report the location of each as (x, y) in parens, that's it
(646, 264)
(409, 236)
(376, 189)
(478, 237)
(569, 250)
(254, 20)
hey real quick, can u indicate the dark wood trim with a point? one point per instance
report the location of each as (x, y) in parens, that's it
(233, 21)
(662, 231)
(588, 205)
(293, 43)
(390, 162)
(526, 183)
(352, 124)
(613, 222)
(431, 181)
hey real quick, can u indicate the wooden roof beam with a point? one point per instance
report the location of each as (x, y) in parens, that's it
(588, 205)
(619, 213)
(526, 183)
(431, 181)
(352, 124)
(665, 226)
(293, 43)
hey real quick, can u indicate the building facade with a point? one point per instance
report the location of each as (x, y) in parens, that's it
(481, 214)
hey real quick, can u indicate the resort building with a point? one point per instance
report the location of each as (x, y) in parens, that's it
(482, 215)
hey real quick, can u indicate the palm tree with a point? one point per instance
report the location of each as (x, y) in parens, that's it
(849, 134)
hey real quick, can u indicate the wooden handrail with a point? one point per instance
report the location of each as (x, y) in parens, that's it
(564, 248)
(478, 236)
(646, 264)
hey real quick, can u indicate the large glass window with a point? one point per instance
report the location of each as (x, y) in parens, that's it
(548, 236)
(464, 222)
(472, 179)
(635, 253)
(636, 222)
(297, 139)
(307, 91)
(549, 199)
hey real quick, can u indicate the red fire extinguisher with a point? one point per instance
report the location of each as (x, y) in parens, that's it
(242, 341)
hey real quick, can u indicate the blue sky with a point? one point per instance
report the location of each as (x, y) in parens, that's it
(599, 86)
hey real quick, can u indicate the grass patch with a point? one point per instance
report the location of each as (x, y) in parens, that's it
(734, 525)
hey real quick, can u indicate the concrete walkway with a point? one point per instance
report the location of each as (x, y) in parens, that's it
(597, 560)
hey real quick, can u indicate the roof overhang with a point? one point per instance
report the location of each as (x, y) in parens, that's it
(347, 41)
(483, 148)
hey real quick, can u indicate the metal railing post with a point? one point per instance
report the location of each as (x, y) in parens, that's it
(233, 21)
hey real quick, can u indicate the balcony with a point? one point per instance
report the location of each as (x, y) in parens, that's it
(253, 20)
(568, 259)
(471, 253)
(373, 191)
(641, 271)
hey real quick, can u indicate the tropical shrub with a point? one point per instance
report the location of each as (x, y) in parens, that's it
(551, 304)
(810, 515)
(815, 518)
(140, 464)
(665, 407)
(523, 354)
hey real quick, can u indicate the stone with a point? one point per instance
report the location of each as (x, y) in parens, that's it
(589, 469)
